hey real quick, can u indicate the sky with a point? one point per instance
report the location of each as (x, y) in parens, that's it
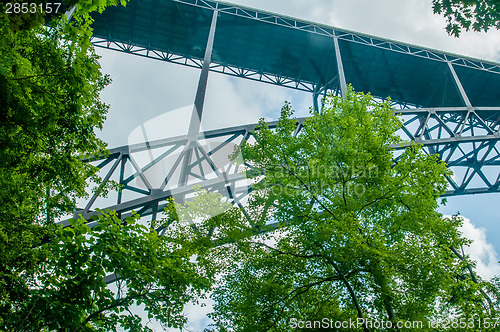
(148, 90)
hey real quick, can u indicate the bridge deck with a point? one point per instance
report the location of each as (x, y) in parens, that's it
(295, 53)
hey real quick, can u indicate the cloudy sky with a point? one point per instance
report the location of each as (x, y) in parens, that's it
(145, 89)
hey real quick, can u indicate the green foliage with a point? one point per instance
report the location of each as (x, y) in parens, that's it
(49, 100)
(207, 218)
(359, 236)
(468, 15)
(68, 291)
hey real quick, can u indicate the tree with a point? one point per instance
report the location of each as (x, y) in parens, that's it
(49, 99)
(468, 15)
(52, 278)
(68, 291)
(358, 237)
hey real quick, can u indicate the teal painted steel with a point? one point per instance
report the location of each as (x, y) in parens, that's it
(294, 53)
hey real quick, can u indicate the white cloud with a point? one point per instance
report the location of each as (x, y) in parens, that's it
(196, 315)
(480, 250)
(231, 102)
(141, 90)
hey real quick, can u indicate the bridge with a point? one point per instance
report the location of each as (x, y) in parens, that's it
(448, 103)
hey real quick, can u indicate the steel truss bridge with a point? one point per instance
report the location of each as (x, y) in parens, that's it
(449, 103)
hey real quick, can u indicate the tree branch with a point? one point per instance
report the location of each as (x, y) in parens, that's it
(473, 276)
(286, 253)
(111, 306)
(310, 191)
(353, 297)
(33, 76)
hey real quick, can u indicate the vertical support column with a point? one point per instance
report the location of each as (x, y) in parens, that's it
(460, 87)
(120, 181)
(196, 116)
(463, 95)
(154, 211)
(194, 126)
(315, 96)
(340, 67)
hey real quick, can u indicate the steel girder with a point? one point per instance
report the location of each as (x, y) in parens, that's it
(189, 61)
(466, 139)
(176, 32)
(149, 173)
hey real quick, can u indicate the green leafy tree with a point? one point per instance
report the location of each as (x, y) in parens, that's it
(69, 290)
(477, 15)
(51, 278)
(49, 98)
(358, 235)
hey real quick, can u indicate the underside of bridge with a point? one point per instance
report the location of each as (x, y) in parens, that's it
(447, 102)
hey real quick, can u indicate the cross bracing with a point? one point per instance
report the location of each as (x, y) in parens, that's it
(447, 103)
(466, 140)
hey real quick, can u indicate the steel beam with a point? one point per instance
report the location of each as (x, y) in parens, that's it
(340, 66)
(196, 116)
(473, 154)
